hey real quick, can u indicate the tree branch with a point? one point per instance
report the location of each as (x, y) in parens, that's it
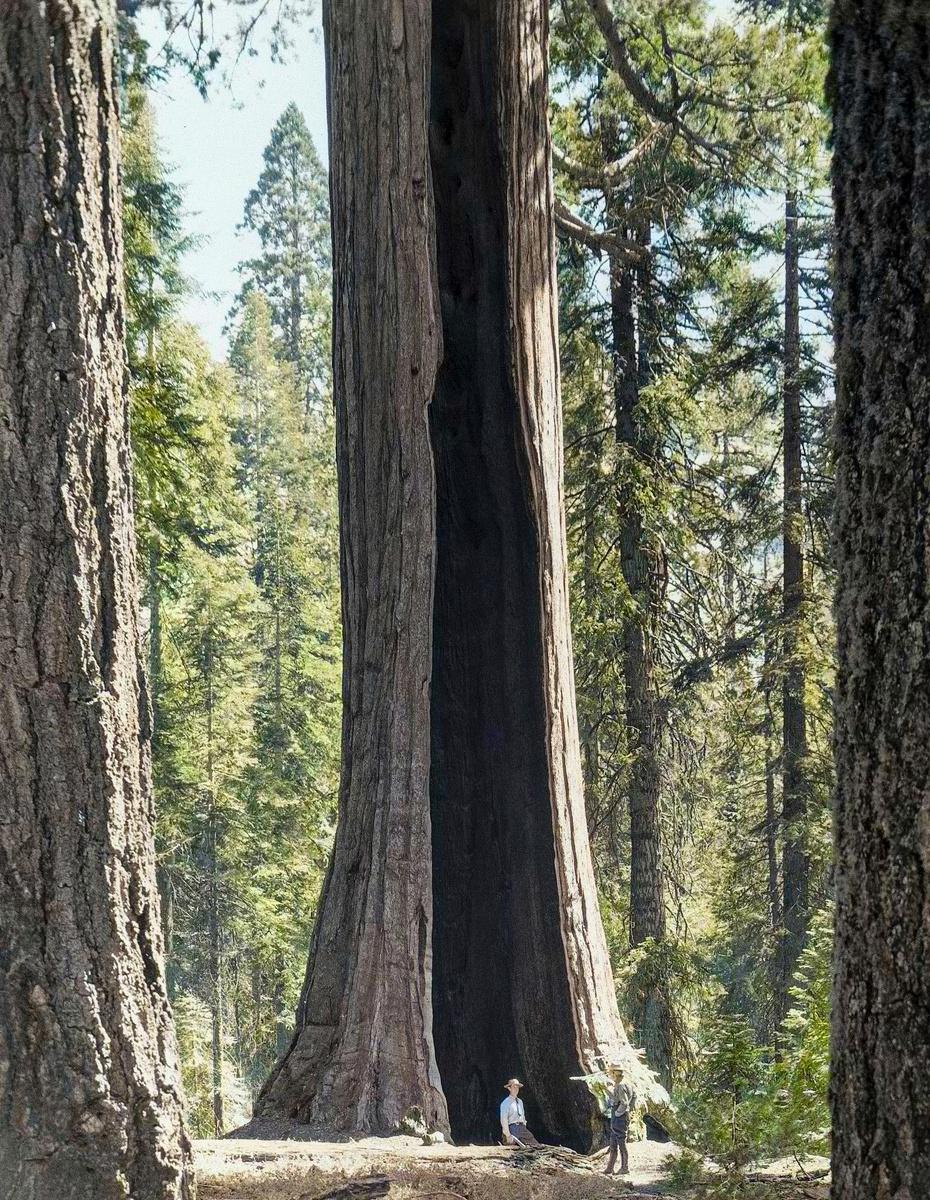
(699, 670)
(617, 248)
(611, 175)
(623, 65)
(650, 104)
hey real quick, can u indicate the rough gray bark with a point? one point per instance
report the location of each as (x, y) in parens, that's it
(155, 635)
(796, 867)
(522, 977)
(362, 1053)
(880, 92)
(89, 1084)
(522, 983)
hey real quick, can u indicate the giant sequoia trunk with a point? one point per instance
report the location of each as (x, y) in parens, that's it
(522, 981)
(362, 1052)
(461, 794)
(89, 1087)
(880, 86)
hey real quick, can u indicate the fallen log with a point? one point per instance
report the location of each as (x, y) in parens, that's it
(795, 1177)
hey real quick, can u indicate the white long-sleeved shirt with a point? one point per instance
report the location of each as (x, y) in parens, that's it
(512, 1113)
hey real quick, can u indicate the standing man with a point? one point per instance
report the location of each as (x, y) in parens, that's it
(622, 1100)
(513, 1118)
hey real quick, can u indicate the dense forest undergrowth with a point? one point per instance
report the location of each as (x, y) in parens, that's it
(694, 238)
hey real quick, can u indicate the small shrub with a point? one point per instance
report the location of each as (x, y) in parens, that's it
(685, 1170)
(802, 1076)
(727, 1113)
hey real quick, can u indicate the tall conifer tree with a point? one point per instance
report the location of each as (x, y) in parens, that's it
(89, 1077)
(289, 211)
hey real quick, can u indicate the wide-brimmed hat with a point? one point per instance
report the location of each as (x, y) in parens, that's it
(512, 1081)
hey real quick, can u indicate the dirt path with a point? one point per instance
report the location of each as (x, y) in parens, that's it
(305, 1166)
(248, 1169)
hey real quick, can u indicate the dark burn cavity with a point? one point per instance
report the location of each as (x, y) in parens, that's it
(498, 1009)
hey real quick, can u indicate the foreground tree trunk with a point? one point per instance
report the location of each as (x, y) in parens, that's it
(880, 90)
(462, 773)
(89, 1084)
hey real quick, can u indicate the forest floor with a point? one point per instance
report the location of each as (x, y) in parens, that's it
(303, 1169)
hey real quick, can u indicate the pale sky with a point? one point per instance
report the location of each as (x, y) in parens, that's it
(216, 149)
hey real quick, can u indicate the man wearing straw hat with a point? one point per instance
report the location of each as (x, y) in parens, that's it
(621, 1102)
(513, 1118)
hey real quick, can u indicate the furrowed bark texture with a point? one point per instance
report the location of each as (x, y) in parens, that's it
(640, 572)
(89, 1083)
(522, 976)
(362, 1053)
(880, 90)
(522, 979)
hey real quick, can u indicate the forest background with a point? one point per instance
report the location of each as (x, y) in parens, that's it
(696, 384)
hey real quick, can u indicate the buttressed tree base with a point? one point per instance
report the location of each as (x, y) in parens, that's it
(458, 940)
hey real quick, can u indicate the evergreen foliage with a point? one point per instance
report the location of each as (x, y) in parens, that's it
(675, 183)
(289, 211)
(237, 522)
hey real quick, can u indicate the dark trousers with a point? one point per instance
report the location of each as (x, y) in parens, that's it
(523, 1135)
(619, 1128)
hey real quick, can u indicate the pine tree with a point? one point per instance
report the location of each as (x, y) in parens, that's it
(287, 481)
(879, 89)
(645, 181)
(205, 743)
(663, 184)
(801, 146)
(165, 433)
(289, 211)
(89, 1077)
(214, 638)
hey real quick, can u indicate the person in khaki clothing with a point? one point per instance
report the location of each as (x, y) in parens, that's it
(622, 1100)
